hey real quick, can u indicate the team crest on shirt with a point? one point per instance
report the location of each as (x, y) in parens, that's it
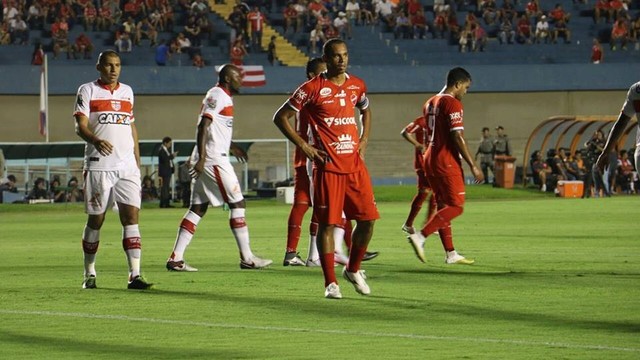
(79, 101)
(325, 91)
(115, 105)
(354, 98)
(211, 103)
(300, 95)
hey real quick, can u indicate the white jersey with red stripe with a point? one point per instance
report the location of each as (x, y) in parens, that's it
(217, 106)
(631, 107)
(110, 114)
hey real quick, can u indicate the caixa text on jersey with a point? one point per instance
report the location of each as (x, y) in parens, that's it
(114, 118)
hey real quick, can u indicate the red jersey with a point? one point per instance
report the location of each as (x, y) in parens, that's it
(332, 118)
(90, 12)
(444, 115)
(596, 53)
(257, 20)
(302, 129)
(418, 128)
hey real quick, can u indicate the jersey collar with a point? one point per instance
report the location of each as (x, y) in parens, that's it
(106, 87)
(224, 89)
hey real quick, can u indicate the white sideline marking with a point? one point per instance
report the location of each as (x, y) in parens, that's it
(321, 331)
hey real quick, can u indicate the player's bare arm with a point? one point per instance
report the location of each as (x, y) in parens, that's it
(238, 152)
(412, 139)
(366, 128)
(281, 120)
(201, 136)
(463, 149)
(104, 147)
(136, 146)
(616, 131)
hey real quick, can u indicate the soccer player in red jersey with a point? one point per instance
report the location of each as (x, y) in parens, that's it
(446, 145)
(340, 177)
(415, 133)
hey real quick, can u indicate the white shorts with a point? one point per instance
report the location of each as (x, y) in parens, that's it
(102, 188)
(218, 184)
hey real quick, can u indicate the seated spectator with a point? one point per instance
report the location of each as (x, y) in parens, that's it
(452, 25)
(60, 35)
(192, 31)
(533, 10)
(5, 36)
(439, 25)
(341, 23)
(541, 171)
(123, 43)
(144, 30)
(35, 16)
(601, 8)
(560, 29)
(353, 11)
(156, 20)
(65, 10)
(625, 173)
(441, 6)
(597, 55)
(105, 18)
(619, 34)
(489, 11)
(74, 191)
(199, 7)
(403, 26)
(419, 23)
(37, 57)
(291, 19)
(470, 18)
(542, 30)
(507, 11)
(316, 8)
(331, 32)
(90, 17)
(524, 35)
(556, 163)
(617, 9)
(570, 165)
(465, 39)
(384, 11)
(506, 34)
(83, 46)
(19, 31)
(634, 31)
(197, 61)
(558, 14)
(9, 184)
(303, 14)
(149, 190)
(132, 9)
(56, 192)
(368, 12)
(479, 39)
(39, 190)
(316, 37)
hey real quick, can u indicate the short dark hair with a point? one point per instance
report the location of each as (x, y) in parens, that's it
(327, 48)
(499, 127)
(456, 75)
(485, 129)
(105, 54)
(166, 139)
(12, 178)
(314, 64)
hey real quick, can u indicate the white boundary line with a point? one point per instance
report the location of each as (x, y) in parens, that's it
(321, 331)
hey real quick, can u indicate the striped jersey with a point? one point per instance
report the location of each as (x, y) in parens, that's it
(110, 114)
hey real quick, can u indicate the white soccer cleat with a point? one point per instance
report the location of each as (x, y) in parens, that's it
(332, 291)
(313, 263)
(357, 279)
(255, 263)
(408, 229)
(417, 243)
(180, 266)
(454, 258)
(292, 259)
(340, 258)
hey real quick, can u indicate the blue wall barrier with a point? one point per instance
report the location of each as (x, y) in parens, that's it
(145, 80)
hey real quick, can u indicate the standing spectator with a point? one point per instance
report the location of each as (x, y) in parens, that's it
(595, 146)
(166, 170)
(341, 180)
(629, 109)
(215, 180)
(238, 52)
(619, 34)
(236, 22)
(415, 134)
(501, 144)
(257, 20)
(162, 53)
(112, 165)
(37, 58)
(525, 35)
(486, 152)
(442, 163)
(272, 54)
(597, 54)
(83, 46)
(542, 30)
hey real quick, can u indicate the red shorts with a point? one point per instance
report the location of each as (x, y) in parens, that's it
(449, 190)
(301, 186)
(335, 192)
(423, 181)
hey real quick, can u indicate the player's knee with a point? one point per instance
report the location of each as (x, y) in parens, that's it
(238, 205)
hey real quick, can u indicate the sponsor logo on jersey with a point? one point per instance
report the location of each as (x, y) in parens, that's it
(349, 120)
(325, 91)
(300, 96)
(115, 105)
(342, 94)
(113, 118)
(328, 102)
(353, 87)
(344, 145)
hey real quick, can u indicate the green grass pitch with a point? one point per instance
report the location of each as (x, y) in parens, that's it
(553, 279)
